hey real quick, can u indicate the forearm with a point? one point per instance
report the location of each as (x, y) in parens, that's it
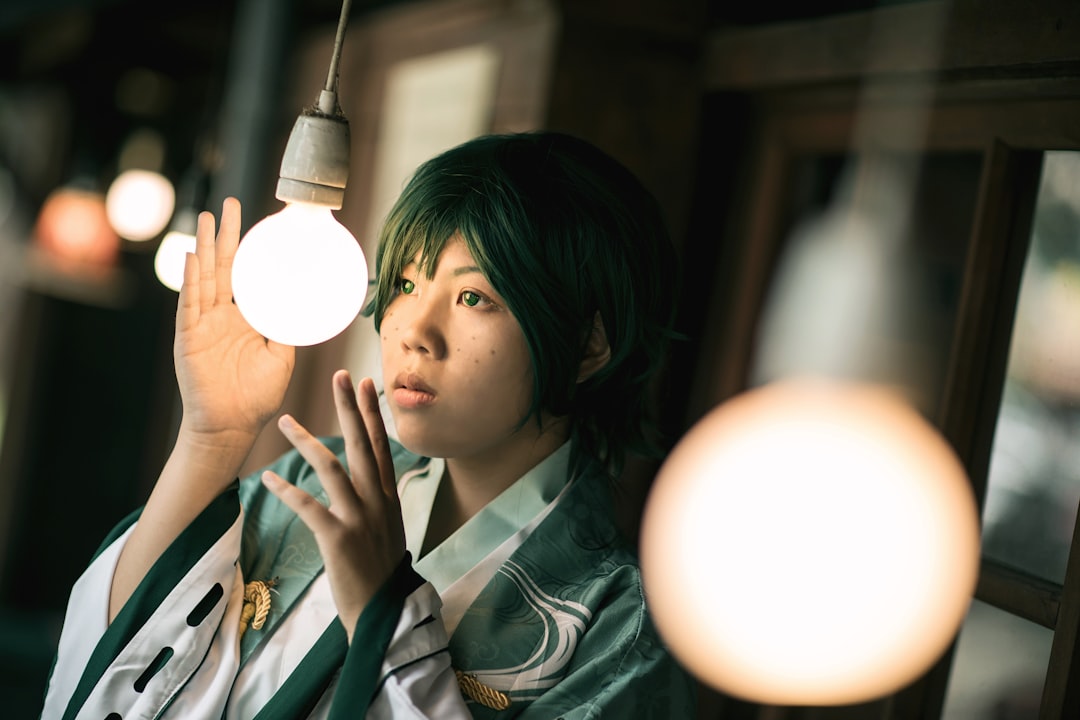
(198, 470)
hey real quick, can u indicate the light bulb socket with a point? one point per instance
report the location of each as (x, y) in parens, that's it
(315, 166)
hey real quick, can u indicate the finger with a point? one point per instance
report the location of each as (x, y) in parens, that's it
(334, 477)
(228, 238)
(187, 311)
(312, 512)
(358, 450)
(204, 248)
(376, 429)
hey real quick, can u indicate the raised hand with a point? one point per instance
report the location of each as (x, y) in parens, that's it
(360, 535)
(232, 380)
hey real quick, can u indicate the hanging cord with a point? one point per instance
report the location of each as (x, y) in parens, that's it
(332, 74)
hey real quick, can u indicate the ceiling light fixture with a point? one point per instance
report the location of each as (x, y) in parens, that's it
(299, 276)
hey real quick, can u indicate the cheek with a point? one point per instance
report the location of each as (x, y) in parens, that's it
(503, 365)
(389, 327)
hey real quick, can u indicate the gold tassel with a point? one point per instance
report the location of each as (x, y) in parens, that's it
(256, 604)
(481, 693)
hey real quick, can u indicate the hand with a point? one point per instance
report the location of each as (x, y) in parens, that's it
(360, 535)
(232, 380)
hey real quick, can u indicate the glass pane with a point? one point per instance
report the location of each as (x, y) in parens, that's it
(1034, 476)
(998, 668)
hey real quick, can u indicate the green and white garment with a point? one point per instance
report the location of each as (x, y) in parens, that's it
(532, 609)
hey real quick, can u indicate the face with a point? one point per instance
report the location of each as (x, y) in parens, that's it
(456, 367)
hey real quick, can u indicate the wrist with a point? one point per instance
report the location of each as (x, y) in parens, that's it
(220, 452)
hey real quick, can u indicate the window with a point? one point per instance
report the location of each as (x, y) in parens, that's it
(1003, 662)
(982, 224)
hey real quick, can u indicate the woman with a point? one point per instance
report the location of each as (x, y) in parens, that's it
(460, 561)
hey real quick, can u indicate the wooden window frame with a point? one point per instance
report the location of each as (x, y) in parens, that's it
(807, 98)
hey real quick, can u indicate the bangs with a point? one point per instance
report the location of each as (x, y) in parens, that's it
(408, 233)
(439, 202)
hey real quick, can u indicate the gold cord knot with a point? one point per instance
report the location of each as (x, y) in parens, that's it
(256, 604)
(481, 693)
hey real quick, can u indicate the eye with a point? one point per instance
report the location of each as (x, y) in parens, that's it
(406, 286)
(471, 299)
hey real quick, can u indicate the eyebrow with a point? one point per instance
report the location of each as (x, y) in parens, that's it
(465, 270)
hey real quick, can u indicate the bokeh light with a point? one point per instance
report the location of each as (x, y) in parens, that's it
(170, 257)
(140, 204)
(810, 542)
(73, 230)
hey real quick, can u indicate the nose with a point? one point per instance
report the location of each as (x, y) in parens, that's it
(420, 322)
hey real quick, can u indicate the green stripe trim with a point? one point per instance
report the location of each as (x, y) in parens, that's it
(300, 692)
(372, 636)
(120, 528)
(177, 560)
(305, 686)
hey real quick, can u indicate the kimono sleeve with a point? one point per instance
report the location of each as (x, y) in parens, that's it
(164, 633)
(411, 677)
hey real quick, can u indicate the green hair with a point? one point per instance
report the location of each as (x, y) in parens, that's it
(562, 232)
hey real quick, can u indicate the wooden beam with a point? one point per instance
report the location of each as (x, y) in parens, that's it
(979, 37)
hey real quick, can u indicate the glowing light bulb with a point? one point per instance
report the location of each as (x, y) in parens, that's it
(299, 277)
(139, 204)
(172, 252)
(73, 228)
(810, 543)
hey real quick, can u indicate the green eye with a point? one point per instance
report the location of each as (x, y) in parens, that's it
(470, 298)
(406, 286)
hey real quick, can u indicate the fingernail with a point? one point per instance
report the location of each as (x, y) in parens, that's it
(286, 422)
(270, 478)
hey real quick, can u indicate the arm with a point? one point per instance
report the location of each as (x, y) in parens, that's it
(231, 381)
(397, 664)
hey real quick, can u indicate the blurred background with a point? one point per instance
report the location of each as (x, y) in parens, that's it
(952, 128)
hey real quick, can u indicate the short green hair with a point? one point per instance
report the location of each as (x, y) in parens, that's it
(562, 231)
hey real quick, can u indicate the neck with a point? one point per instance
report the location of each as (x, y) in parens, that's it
(472, 482)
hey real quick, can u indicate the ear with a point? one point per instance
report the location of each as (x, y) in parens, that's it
(597, 351)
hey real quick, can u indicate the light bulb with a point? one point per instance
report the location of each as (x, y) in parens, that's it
(74, 229)
(299, 277)
(810, 543)
(139, 204)
(171, 255)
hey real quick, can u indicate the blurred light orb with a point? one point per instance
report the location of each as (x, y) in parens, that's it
(810, 543)
(299, 277)
(140, 204)
(73, 228)
(170, 258)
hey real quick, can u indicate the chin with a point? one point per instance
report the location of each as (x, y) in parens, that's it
(421, 443)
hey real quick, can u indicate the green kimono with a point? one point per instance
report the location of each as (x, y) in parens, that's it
(532, 609)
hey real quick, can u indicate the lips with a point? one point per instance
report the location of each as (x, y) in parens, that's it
(410, 391)
(412, 381)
